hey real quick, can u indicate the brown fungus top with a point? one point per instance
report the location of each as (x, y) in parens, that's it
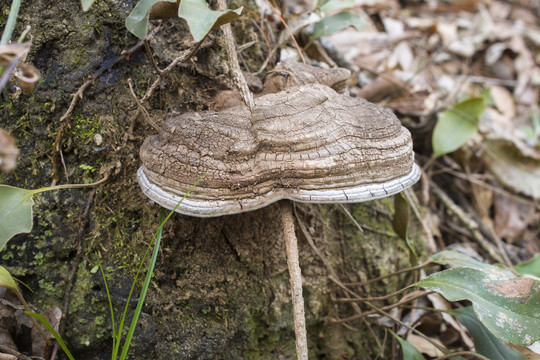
(306, 143)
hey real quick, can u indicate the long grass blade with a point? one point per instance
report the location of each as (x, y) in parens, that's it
(53, 332)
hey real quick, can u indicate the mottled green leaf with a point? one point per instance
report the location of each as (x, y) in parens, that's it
(337, 22)
(201, 20)
(137, 21)
(531, 267)
(15, 212)
(457, 125)
(484, 342)
(456, 259)
(508, 307)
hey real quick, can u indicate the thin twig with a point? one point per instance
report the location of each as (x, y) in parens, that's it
(404, 300)
(182, 58)
(397, 321)
(395, 273)
(277, 12)
(349, 215)
(236, 73)
(296, 280)
(141, 109)
(64, 120)
(151, 56)
(466, 220)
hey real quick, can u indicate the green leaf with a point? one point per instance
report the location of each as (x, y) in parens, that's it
(484, 342)
(137, 21)
(7, 281)
(400, 223)
(456, 259)
(15, 212)
(508, 307)
(457, 125)
(337, 22)
(86, 4)
(408, 349)
(333, 5)
(201, 20)
(53, 332)
(531, 267)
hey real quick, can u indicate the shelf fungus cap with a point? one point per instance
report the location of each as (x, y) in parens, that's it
(306, 143)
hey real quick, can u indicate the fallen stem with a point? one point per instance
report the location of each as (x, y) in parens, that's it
(236, 73)
(296, 280)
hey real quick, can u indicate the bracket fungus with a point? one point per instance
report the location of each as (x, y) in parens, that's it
(306, 143)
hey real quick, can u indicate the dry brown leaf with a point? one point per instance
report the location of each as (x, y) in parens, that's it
(530, 355)
(512, 216)
(504, 101)
(441, 304)
(424, 346)
(514, 164)
(8, 151)
(39, 347)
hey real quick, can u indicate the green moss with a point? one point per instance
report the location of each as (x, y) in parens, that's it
(84, 128)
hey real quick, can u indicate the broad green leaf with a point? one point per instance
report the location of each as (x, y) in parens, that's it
(484, 342)
(337, 22)
(86, 4)
(531, 267)
(137, 21)
(508, 307)
(457, 125)
(333, 5)
(53, 332)
(456, 259)
(201, 20)
(15, 212)
(408, 349)
(7, 281)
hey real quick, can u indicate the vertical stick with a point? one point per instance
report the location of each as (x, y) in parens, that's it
(296, 280)
(230, 49)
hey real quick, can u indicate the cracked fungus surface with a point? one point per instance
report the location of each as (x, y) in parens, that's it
(307, 143)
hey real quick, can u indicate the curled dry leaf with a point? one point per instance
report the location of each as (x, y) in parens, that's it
(512, 216)
(8, 151)
(306, 143)
(514, 164)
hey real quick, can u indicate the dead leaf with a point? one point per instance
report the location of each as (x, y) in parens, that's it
(504, 101)
(8, 151)
(512, 216)
(424, 346)
(514, 164)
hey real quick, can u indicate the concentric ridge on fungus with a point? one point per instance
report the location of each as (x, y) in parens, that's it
(306, 143)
